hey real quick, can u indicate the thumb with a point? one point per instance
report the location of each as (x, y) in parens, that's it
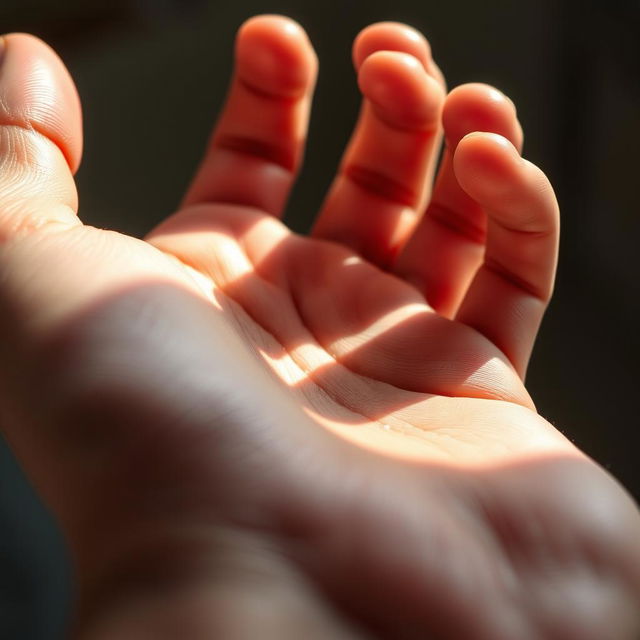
(40, 137)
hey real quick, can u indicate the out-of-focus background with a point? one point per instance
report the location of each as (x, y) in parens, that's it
(152, 75)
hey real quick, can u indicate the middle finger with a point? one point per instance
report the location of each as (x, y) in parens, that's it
(382, 182)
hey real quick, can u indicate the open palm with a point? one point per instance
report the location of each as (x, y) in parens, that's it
(193, 384)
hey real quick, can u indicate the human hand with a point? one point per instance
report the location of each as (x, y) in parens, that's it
(245, 433)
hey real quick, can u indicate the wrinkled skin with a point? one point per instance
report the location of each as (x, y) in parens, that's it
(245, 433)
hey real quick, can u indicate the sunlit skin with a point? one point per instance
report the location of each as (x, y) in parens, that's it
(247, 433)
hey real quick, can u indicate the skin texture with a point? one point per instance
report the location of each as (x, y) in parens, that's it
(247, 433)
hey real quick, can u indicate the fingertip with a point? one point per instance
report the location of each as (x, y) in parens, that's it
(480, 107)
(490, 169)
(485, 164)
(389, 68)
(402, 92)
(37, 92)
(390, 36)
(486, 140)
(274, 55)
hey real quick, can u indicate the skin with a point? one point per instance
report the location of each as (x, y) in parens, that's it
(247, 433)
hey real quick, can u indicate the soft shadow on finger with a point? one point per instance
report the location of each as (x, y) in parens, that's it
(446, 249)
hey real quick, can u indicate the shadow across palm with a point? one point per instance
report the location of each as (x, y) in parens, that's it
(351, 344)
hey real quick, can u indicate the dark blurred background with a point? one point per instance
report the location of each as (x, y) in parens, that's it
(152, 75)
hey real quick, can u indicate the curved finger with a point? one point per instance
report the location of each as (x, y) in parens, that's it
(382, 181)
(445, 251)
(40, 137)
(257, 145)
(510, 292)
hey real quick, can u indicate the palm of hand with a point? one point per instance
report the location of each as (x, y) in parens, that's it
(359, 349)
(232, 467)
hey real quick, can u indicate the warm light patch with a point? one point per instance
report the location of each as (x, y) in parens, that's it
(391, 320)
(298, 365)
